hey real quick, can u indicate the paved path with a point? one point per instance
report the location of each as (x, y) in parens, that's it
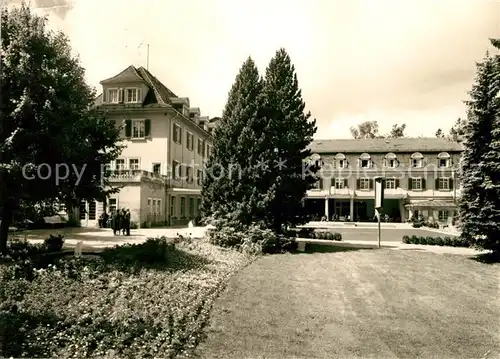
(100, 238)
(351, 237)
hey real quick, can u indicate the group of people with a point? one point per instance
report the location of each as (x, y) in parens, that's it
(119, 221)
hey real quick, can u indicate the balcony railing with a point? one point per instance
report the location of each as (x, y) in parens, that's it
(132, 175)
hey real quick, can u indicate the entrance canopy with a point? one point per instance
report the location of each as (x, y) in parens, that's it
(430, 204)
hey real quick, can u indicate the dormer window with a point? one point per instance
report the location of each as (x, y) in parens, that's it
(417, 160)
(365, 161)
(391, 160)
(132, 95)
(341, 160)
(113, 95)
(316, 160)
(444, 160)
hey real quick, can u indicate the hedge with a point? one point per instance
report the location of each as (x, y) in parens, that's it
(311, 233)
(436, 241)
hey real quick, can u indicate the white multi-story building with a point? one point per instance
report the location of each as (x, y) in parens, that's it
(167, 143)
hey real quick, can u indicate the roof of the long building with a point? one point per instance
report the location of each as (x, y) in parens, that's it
(406, 144)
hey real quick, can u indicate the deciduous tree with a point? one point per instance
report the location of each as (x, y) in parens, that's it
(46, 118)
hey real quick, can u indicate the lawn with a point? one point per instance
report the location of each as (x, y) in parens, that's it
(351, 303)
(387, 234)
(148, 300)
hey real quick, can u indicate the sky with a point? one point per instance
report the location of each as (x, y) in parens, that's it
(392, 61)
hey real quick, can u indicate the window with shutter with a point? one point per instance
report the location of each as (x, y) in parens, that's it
(390, 183)
(415, 184)
(128, 128)
(113, 95)
(139, 128)
(177, 134)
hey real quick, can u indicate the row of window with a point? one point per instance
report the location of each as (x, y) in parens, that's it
(443, 214)
(188, 172)
(416, 183)
(203, 149)
(193, 205)
(120, 95)
(154, 206)
(390, 160)
(177, 169)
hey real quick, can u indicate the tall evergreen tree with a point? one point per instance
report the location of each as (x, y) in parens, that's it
(226, 189)
(291, 132)
(479, 205)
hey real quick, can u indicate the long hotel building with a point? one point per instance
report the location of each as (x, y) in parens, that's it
(420, 178)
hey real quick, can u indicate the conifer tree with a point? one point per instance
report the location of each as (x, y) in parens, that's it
(291, 132)
(479, 205)
(227, 189)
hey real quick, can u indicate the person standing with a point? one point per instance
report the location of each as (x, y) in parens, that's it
(127, 221)
(114, 221)
(119, 221)
(123, 227)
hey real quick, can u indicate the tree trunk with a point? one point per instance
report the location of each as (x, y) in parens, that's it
(5, 221)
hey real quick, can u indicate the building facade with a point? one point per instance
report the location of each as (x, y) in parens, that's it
(420, 178)
(167, 143)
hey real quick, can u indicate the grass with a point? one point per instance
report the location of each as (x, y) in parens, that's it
(387, 234)
(134, 301)
(357, 303)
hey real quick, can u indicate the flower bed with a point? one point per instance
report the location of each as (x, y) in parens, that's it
(136, 301)
(436, 241)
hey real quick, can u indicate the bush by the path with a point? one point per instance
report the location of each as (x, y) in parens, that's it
(135, 301)
(254, 239)
(321, 234)
(436, 241)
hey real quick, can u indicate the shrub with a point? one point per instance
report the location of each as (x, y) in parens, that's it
(226, 236)
(306, 233)
(436, 241)
(54, 243)
(153, 251)
(73, 221)
(321, 234)
(134, 225)
(431, 225)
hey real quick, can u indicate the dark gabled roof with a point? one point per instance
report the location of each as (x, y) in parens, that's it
(407, 144)
(162, 92)
(159, 94)
(130, 74)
